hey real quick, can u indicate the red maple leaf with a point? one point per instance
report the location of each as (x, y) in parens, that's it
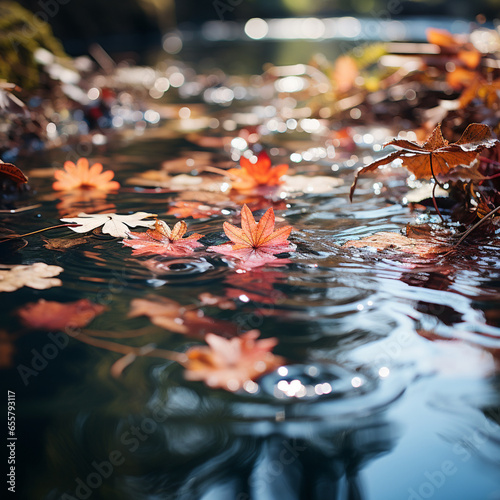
(163, 241)
(260, 173)
(255, 244)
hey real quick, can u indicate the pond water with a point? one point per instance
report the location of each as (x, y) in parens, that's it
(392, 358)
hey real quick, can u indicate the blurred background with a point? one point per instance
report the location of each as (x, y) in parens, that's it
(134, 24)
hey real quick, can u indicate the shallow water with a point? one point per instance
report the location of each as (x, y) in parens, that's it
(402, 350)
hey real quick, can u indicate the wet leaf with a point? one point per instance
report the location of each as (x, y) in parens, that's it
(113, 224)
(259, 173)
(194, 209)
(84, 177)
(399, 243)
(172, 316)
(232, 364)
(255, 243)
(12, 172)
(435, 156)
(50, 315)
(38, 275)
(163, 241)
(64, 243)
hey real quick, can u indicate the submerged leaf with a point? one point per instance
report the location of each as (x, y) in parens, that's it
(232, 364)
(38, 275)
(50, 315)
(398, 242)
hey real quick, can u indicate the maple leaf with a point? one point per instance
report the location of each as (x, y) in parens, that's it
(51, 315)
(113, 224)
(38, 275)
(395, 241)
(435, 156)
(260, 173)
(255, 244)
(84, 177)
(163, 241)
(12, 172)
(232, 363)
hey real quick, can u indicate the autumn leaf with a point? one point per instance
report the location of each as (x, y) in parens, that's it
(113, 224)
(435, 156)
(50, 315)
(163, 241)
(84, 177)
(398, 242)
(258, 173)
(194, 209)
(232, 364)
(64, 243)
(172, 316)
(38, 275)
(12, 172)
(255, 243)
(344, 74)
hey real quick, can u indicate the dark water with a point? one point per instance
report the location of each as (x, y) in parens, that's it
(402, 349)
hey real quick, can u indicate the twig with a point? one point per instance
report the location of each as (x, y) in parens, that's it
(125, 349)
(436, 184)
(14, 236)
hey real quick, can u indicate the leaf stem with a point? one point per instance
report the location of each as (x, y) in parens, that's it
(14, 236)
(126, 349)
(436, 184)
(477, 224)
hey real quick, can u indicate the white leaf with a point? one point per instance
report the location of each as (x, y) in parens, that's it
(38, 275)
(113, 224)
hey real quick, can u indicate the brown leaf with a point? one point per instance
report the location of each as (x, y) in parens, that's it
(435, 156)
(12, 172)
(50, 315)
(398, 242)
(64, 243)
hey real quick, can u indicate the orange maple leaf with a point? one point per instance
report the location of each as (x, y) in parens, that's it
(234, 363)
(255, 243)
(163, 241)
(466, 52)
(260, 173)
(84, 177)
(435, 156)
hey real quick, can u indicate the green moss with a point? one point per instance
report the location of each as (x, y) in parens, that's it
(21, 34)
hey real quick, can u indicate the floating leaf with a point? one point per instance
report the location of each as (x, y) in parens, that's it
(398, 242)
(38, 275)
(113, 224)
(84, 177)
(164, 241)
(435, 156)
(259, 173)
(232, 364)
(50, 315)
(255, 244)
